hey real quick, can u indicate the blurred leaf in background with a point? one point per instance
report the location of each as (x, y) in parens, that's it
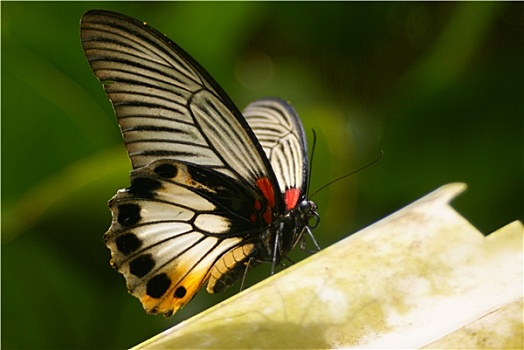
(438, 86)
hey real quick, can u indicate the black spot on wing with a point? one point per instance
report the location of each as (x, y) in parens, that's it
(168, 313)
(128, 243)
(158, 285)
(144, 187)
(166, 170)
(128, 214)
(180, 292)
(141, 265)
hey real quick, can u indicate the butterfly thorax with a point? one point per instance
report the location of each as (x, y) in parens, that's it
(287, 230)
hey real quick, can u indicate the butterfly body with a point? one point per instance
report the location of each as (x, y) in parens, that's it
(212, 190)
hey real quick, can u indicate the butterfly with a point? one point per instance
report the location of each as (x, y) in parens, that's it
(213, 191)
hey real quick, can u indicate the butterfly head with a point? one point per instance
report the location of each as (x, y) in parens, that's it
(307, 211)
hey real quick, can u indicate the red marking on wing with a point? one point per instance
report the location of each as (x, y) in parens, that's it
(269, 194)
(291, 198)
(267, 215)
(267, 190)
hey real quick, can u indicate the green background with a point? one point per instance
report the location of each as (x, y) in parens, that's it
(437, 86)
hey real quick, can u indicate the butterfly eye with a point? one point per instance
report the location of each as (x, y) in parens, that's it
(308, 210)
(305, 207)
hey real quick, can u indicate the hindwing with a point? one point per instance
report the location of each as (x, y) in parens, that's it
(177, 226)
(279, 130)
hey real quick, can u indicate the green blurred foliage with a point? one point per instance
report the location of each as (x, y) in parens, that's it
(437, 86)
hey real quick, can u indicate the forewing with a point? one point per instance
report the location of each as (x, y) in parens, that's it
(166, 104)
(281, 134)
(175, 228)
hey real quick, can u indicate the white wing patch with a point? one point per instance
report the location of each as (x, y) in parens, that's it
(176, 227)
(167, 106)
(280, 132)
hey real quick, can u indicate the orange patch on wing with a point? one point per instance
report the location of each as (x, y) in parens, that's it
(291, 198)
(267, 190)
(168, 304)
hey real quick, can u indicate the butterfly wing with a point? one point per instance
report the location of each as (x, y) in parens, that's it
(166, 104)
(173, 230)
(165, 248)
(281, 134)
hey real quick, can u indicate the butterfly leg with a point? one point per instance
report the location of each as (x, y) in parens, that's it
(248, 266)
(274, 256)
(303, 241)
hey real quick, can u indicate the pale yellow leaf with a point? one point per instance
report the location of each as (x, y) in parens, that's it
(421, 277)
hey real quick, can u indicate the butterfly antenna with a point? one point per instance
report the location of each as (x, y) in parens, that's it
(311, 160)
(349, 174)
